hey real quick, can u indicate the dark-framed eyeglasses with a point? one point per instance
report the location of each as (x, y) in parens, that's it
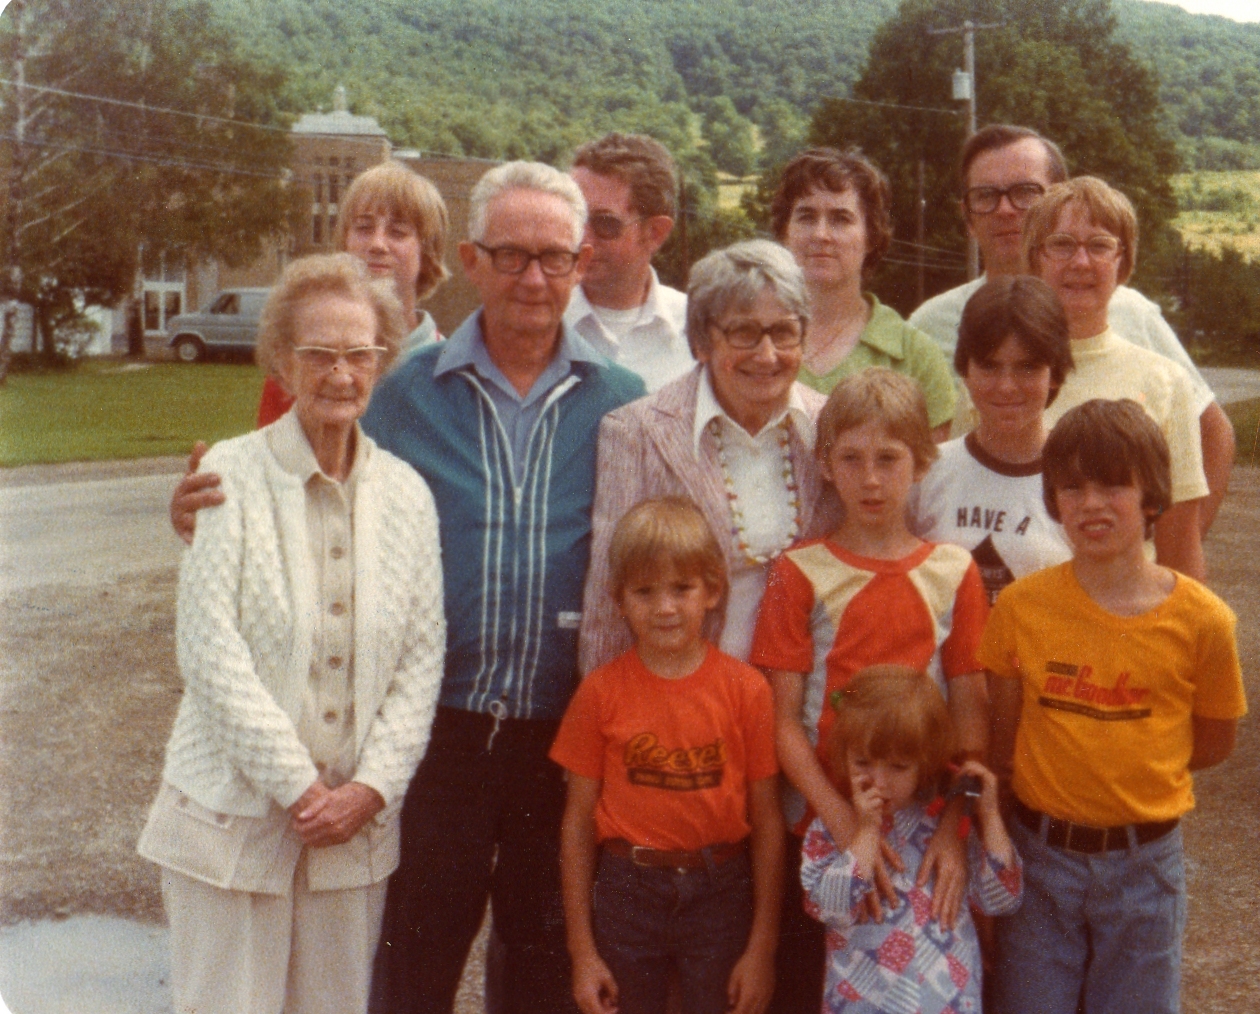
(1063, 247)
(360, 358)
(985, 200)
(606, 226)
(512, 260)
(747, 334)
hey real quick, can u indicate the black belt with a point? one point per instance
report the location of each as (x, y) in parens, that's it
(641, 855)
(1063, 834)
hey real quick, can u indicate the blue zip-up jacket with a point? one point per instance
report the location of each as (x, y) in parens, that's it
(514, 556)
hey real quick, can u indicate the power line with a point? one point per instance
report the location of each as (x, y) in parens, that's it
(930, 265)
(933, 249)
(891, 105)
(136, 157)
(143, 106)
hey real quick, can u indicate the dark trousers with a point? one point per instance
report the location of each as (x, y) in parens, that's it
(801, 961)
(651, 923)
(480, 819)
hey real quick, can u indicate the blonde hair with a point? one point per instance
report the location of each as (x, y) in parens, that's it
(881, 395)
(892, 712)
(658, 533)
(339, 274)
(1107, 208)
(399, 191)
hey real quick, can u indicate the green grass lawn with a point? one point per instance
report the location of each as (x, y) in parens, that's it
(107, 410)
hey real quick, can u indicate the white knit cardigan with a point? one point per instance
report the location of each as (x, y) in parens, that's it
(244, 630)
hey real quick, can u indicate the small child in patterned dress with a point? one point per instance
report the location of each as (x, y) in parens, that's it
(890, 745)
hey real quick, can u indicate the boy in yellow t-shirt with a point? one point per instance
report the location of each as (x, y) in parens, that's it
(1111, 679)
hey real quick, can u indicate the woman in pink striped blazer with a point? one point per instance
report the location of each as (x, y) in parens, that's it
(735, 435)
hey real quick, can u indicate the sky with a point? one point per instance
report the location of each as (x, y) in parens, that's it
(1239, 10)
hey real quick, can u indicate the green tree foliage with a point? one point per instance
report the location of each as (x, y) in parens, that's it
(1218, 297)
(537, 77)
(1053, 66)
(1209, 70)
(91, 183)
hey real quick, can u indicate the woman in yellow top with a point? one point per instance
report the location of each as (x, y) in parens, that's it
(832, 211)
(1081, 237)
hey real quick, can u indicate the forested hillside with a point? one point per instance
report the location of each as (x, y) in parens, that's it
(534, 77)
(1209, 70)
(483, 77)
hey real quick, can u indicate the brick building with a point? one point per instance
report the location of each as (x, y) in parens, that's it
(329, 150)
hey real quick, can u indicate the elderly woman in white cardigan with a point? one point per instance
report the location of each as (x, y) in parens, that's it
(735, 435)
(310, 638)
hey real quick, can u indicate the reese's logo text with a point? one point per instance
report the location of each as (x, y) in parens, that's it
(682, 770)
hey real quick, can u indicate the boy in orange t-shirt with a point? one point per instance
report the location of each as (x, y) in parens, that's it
(672, 820)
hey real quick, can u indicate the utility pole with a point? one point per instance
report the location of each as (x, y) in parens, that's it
(965, 90)
(921, 233)
(16, 179)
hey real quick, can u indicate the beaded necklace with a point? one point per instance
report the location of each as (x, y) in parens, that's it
(738, 533)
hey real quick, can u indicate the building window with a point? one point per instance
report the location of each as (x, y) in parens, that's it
(332, 188)
(317, 229)
(332, 226)
(319, 189)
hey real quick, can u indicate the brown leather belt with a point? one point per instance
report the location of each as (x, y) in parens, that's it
(640, 855)
(1063, 834)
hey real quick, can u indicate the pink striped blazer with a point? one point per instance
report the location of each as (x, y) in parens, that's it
(647, 450)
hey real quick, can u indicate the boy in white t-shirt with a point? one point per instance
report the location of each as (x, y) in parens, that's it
(984, 491)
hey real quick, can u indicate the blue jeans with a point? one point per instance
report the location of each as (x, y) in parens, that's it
(648, 921)
(1104, 928)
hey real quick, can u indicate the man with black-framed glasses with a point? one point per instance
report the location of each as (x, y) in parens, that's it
(621, 308)
(500, 420)
(1002, 170)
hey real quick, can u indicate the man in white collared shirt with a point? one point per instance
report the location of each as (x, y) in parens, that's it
(621, 308)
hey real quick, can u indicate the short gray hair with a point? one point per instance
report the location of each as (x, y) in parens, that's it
(732, 278)
(524, 176)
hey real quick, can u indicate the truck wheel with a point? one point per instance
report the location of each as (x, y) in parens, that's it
(189, 349)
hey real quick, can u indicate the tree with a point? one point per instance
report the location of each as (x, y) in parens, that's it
(142, 137)
(1052, 66)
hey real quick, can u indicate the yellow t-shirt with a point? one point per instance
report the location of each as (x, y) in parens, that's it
(1105, 734)
(1107, 366)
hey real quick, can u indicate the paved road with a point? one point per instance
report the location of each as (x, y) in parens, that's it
(1231, 384)
(85, 524)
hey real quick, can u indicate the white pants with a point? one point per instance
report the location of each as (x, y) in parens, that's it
(233, 952)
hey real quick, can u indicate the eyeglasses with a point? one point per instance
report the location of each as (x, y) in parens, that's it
(512, 260)
(985, 200)
(360, 359)
(1062, 247)
(610, 227)
(747, 334)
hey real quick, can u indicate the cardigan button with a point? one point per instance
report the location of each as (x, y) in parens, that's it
(330, 717)
(334, 661)
(337, 552)
(337, 608)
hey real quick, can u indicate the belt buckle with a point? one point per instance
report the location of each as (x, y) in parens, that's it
(635, 851)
